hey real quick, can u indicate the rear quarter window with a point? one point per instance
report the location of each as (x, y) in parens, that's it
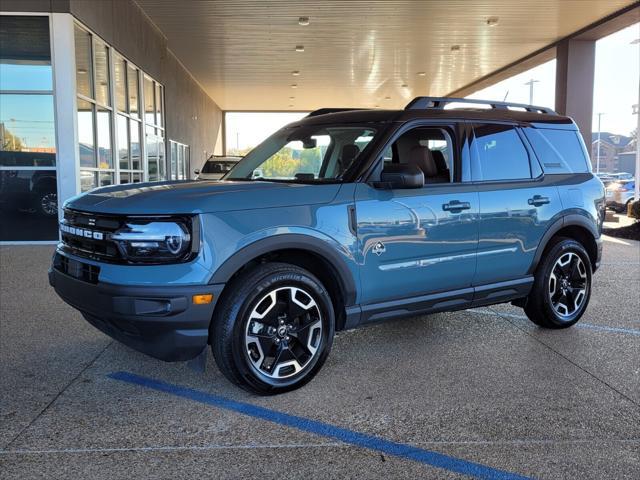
(559, 151)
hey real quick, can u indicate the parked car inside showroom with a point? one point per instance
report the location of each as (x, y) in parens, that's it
(354, 216)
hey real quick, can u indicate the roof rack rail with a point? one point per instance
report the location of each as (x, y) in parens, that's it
(325, 111)
(423, 103)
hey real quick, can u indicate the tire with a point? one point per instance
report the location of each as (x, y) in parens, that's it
(562, 285)
(47, 203)
(273, 329)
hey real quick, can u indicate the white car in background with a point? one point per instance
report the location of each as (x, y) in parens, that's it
(216, 167)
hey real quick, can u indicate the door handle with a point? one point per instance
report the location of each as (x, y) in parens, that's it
(538, 200)
(455, 206)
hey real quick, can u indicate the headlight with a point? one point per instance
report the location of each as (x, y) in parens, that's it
(154, 241)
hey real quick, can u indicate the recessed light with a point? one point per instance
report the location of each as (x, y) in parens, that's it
(292, 98)
(82, 70)
(304, 21)
(422, 74)
(493, 21)
(294, 85)
(376, 106)
(295, 73)
(387, 98)
(290, 106)
(404, 85)
(455, 48)
(299, 48)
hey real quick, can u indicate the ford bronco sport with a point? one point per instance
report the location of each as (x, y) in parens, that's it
(355, 216)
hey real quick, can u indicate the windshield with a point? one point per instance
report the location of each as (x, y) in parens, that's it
(315, 153)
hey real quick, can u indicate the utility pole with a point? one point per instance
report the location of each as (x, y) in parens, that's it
(598, 152)
(530, 83)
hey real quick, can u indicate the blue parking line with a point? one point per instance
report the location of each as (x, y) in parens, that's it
(628, 331)
(362, 440)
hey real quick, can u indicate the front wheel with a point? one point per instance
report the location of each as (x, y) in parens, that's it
(562, 286)
(274, 328)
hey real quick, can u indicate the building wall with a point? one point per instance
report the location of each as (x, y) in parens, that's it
(192, 117)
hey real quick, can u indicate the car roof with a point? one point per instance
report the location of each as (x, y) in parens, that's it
(377, 115)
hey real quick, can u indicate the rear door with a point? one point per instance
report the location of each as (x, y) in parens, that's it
(516, 203)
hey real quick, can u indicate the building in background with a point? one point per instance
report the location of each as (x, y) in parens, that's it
(611, 147)
(90, 95)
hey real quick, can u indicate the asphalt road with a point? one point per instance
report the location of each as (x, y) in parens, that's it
(438, 396)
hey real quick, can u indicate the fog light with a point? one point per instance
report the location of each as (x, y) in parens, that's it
(202, 299)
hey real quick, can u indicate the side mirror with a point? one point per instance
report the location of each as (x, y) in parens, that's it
(196, 171)
(397, 175)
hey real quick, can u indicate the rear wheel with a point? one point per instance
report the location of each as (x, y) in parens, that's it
(273, 331)
(562, 285)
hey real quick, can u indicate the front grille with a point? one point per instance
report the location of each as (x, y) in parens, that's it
(88, 235)
(82, 271)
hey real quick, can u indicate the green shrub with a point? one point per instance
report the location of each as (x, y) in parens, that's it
(633, 210)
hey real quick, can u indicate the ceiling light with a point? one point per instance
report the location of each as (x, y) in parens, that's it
(404, 85)
(294, 85)
(304, 21)
(290, 106)
(422, 74)
(82, 70)
(455, 48)
(299, 48)
(493, 21)
(387, 98)
(292, 98)
(295, 73)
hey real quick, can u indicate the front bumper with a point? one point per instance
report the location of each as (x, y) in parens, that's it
(159, 321)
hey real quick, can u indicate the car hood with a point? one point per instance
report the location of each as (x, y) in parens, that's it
(185, 197)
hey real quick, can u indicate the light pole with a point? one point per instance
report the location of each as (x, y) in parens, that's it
(636, 190)
(530, 83)
(598, 152)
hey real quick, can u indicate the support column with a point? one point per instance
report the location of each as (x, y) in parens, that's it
(575, 67)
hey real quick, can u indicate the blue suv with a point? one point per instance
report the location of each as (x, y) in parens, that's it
(343, 218)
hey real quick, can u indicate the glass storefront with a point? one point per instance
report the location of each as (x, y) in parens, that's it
(108, 117)
(28, 185)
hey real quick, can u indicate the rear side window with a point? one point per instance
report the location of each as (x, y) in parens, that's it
(500, 154)
(559, 151)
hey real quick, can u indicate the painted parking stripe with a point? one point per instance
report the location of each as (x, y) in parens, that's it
(362, 440)
(628, 331)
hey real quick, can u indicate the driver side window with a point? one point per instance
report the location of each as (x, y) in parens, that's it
(428, 148)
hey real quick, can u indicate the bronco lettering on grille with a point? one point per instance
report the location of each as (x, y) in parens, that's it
(81, 232)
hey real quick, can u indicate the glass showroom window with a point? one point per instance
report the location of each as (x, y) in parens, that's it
(128, 121)
(28, 186)
(179, 161)
(95, 112)
(154, 129)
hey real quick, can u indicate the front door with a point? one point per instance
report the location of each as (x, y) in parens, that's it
(418, 241)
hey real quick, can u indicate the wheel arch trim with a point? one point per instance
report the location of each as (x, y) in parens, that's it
(291, 241)
(570, 220)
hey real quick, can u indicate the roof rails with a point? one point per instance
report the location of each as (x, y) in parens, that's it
(324, 111)
(423, 103)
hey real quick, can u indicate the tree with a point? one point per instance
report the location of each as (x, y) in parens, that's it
(9, 141)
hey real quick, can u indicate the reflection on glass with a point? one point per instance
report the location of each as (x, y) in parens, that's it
(135, 145)
(86, 145)
(159, 101)
(25, 60)
(173, 159)
(119, 72)
(102, 73)
(103, 122)
(136, 177)
(84, 73)
(152, 153)
(87, 180)
(123, 141)
(105, 178)
(132, 78)
(149, 94)
(27, 124)
(162, 174)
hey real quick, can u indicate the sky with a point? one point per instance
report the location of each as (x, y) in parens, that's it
(617, 75)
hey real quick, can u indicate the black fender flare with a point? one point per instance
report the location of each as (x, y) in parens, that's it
(569, 220)
(285, 242)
